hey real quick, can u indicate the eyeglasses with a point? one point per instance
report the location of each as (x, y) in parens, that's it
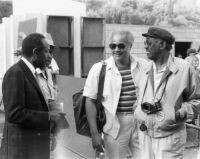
(146, 43)
(120, 46)
(149, 41)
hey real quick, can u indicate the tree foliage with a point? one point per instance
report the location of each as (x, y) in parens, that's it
(154, 12)
(5, 9)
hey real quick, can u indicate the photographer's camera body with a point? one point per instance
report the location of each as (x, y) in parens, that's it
(151, 108)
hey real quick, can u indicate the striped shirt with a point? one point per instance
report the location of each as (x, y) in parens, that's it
(128, 92)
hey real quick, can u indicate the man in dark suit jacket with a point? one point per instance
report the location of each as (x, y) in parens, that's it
(27, 118)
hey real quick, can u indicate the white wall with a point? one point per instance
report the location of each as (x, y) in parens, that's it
(55, 7)
(27, 9)
(2, 54)
(8, 22)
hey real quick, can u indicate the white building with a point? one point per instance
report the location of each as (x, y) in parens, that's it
(24, 10)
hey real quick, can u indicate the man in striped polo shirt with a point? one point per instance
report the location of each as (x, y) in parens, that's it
(119, 99)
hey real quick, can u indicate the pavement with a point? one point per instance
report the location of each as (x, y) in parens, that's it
(73, 146)
(70, 145)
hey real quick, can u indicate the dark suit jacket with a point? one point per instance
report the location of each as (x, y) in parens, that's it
(26, 132)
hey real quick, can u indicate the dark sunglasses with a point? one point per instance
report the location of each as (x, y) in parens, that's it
(120, 46)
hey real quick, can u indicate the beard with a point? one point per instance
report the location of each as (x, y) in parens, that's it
(39, 63)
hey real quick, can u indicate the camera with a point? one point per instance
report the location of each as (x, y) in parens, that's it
(150, 108)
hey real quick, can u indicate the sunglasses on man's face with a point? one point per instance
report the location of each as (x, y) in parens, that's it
(113, 46)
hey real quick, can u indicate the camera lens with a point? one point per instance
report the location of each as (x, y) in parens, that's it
(143, 127)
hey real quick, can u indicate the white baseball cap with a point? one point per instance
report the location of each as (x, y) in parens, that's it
(49, 39)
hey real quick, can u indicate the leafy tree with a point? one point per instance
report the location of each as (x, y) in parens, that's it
(94, 4)
(148, 7)
(136, 19)
(154, 12)
(130, 4)
(5, 9)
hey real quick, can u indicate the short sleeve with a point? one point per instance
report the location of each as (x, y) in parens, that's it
(91, 84)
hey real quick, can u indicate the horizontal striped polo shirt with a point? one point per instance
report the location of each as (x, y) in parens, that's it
(128, 91)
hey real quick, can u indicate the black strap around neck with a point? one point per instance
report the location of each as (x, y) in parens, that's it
(163, 89)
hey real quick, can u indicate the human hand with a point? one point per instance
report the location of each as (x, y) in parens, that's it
(180, 115)
(55, 105)
(54, 116)
(97, 142)
(53, 142)
(57, 125)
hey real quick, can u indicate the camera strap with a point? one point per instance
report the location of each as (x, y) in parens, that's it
(164, 80)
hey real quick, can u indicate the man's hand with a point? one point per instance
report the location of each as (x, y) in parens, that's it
(53, 142)
(54, 116)
(55, 105)
(97, 142)
(181, 115)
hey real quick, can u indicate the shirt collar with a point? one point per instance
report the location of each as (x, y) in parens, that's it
(160, 71)
(171, 65)
(38, 71)
(29, 65)
(134, 62)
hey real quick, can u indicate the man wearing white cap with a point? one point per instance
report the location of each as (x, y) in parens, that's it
(48, 85)
(53, 65)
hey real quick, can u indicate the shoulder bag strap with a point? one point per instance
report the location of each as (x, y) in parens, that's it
(101, 85)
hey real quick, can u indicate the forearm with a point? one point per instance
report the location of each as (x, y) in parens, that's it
(191, 101)
(29, 118)
(91, 113)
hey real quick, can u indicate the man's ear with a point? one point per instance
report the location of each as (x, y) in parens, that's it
(35, 51)
(163, 45)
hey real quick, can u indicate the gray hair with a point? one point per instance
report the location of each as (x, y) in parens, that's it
(127, 36)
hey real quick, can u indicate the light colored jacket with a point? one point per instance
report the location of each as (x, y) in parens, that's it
(182, 91)
(112, 89)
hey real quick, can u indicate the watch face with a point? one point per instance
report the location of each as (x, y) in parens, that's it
(160, 116)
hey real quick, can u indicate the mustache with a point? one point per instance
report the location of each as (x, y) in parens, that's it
(118, 52)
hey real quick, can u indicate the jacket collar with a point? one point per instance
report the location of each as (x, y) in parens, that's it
(31, 77)
(29, 65)
(171, 66)
(111, 63)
